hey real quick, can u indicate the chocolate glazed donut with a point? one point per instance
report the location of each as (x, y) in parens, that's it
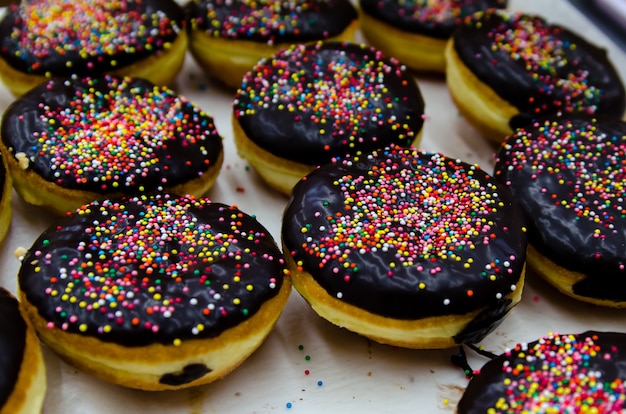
(159, 279)
(12, 344)
(409, 235)
(271, 22)
(22, 370)
(568, 175)
(310, 103)
(69, 141)
(436, 19)
(538, 67)
(583, 372)
(78, 123)
(83, 37)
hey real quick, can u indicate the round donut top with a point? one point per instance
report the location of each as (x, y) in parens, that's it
(557, 373)
(62, 37)
(569, 177)
(152, 269)
(539, 68)
(433, 18)
(310, 103)
(271, 21)
(406, 234)
(110, 135)
(12, 344)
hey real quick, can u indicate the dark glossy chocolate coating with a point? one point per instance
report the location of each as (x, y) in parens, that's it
(189, 374)
(12, 343)
(95, 36)
(109, 135)
(152, 269)
(568, 175)
(409, 235)
(271, 21)
(311, 103)
(571, 372)
(436, 19)
(538, 67)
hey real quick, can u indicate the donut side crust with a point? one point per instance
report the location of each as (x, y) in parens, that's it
(279, 173)
(435, 332)
(6, 208)
(478, 103)
(160, 69)
(37, 191)
(143, 367)
(563, 279)
(228, 60)
(419, 52)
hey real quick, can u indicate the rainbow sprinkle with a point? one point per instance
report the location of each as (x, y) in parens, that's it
(586, 166)
(151, 263)
(114, 132)
(272, 20)
(338, 96)
(555, 376)
(422, 210)
(541, 49)
(88, 29)
(428, 10)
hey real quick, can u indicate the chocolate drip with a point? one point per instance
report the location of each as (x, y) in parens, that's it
(189, 374)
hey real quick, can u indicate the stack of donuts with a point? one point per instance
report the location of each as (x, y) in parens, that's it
(145, 272)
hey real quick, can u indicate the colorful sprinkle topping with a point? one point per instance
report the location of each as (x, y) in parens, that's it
(92, 30)
(556, 375)
(273, 20)
(332, 98)
(130, 269)
(407, 234)
(429, 10)
(421, 210)
(543, 50)
(583, 169)
(118, 134)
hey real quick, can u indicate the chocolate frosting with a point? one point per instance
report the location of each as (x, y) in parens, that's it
(12, 343)
(570, 372)
(86, 37)
(539, 68)
(408, 235)
(271, 21)
(568, 175)
(310, 103)
(436, 19)
(110, 135)
(152, 269)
